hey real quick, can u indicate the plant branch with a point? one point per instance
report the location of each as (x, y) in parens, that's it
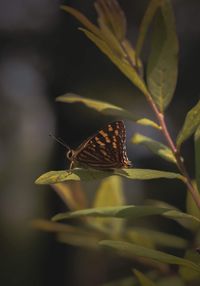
(161, 119)
(176, 152)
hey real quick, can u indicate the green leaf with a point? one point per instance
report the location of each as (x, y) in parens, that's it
(147, 122)
(122, 65)
(81, 239)
(130, 250)
(104, 34)
(155, 147)
(111, 16)
(158, 238)
(82, 19)
(74, 198)
(193, 210)
(197, 156)
(105, 40)
(109, 193)
(146, 21)
(170, 280)
(69, 234)
(105, 108)
(192, 121)
(78, 174)
(129, 211)
(144, 280)
(185, 273)
(184, 219)
(133, 212)
(162, 66)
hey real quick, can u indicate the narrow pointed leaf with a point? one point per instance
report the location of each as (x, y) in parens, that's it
(162, 64)
(185, 273)
(86, 240)
(82, 19)
(105, 34)
(116, 212)
(74, 198)
(77, 174)
(110, 193)
(155, 147)
(105, 108)
(110, 15)
(184, 219)
(146, 21)
(144, 280)
(158, 238)
(131, 211)
(130, 250)
(197, 157)
(192, 121)
(122, 65)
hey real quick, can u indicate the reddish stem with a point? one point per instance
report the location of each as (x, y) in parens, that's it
(161, 119)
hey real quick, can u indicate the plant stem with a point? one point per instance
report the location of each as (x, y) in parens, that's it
(161, 119)
(179, 160)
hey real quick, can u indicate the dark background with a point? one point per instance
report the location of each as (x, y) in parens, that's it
(43, 55)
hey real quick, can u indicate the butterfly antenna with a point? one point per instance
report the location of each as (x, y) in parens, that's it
(59, 141)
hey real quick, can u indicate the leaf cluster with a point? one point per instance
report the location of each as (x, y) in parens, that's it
(104, 223)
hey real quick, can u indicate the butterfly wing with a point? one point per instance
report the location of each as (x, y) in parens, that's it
(106, 149)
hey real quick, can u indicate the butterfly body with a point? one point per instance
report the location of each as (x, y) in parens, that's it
(105, 150)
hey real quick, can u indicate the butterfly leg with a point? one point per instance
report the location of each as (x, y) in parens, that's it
(71, 166)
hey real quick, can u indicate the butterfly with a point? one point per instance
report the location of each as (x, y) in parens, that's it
(105, 150)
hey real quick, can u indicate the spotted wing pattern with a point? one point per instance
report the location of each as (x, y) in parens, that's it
(106, 149)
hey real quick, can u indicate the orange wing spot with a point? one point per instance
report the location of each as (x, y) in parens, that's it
(104, 134)
(110, 127)
(100, 143)
(107, 140)
(116, 132)
(114, 145)
(114, 139)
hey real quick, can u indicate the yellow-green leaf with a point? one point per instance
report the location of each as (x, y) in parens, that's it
(146, 21)
(130, 211)
(155, 147)
(78, 174)
(197, 156)
(130, 250)
(188, 274)
(69, 234)
(81, 239)
(162, 66)
(122, 65)
(144, 280)
(82, 19)
(157, 238)
(106, 108)
(147, 122)
(110, 15)
(74, 197)
(110, 193)
(192, 121)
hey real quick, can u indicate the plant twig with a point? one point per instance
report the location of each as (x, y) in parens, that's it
(161, 119)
